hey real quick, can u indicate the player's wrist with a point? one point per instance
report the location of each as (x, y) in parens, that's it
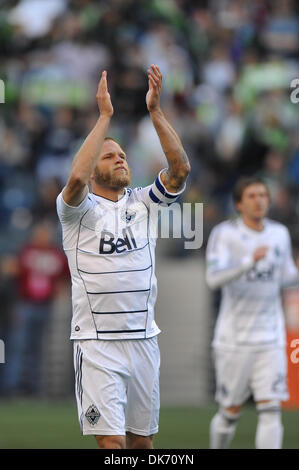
(105, 116)
(155, 110)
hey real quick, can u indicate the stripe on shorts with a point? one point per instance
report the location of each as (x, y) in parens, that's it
(78, 374)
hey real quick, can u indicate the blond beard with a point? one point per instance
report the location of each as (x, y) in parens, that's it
(112, 180)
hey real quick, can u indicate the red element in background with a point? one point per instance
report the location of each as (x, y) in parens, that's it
(40, 269)
(291, 306)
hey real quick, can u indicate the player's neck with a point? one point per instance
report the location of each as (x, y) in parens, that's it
(254, 224)
(113, 194)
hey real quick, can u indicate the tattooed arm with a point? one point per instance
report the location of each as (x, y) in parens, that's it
(178, 163)
(88, 154)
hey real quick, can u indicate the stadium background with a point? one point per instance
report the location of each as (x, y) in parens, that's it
(227, 68)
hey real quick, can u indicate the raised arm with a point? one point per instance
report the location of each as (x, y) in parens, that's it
(87, 156)
(178, 163)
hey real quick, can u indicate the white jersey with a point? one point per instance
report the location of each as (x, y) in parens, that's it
(111, 256)
(251, 310)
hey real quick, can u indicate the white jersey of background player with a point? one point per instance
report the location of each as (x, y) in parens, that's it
(110, 248)
(250, 259)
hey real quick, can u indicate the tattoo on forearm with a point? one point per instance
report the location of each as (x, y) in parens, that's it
(184, 156)
(175, 175)
(177, 162)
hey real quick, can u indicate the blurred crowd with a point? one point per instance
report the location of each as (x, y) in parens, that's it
(227, 68)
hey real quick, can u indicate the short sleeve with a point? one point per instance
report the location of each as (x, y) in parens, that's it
(220, 270)
(218, 252)
(69, 217)
(67, 213)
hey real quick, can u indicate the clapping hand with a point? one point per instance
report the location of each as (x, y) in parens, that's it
(155, 88)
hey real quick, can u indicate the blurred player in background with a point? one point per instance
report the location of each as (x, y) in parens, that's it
(40, 272)
(250, 259)
(111, 259)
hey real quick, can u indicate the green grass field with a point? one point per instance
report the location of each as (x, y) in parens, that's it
(47, 425)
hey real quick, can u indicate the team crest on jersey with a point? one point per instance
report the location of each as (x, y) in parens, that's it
(92, 415)
(128, 216)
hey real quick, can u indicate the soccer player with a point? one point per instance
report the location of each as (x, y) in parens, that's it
(106, 236)
(250, 259)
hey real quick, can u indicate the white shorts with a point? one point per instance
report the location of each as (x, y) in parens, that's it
(241, 373)
(117, 386)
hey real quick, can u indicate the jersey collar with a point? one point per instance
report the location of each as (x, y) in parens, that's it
(249, 230)
(104, 200)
